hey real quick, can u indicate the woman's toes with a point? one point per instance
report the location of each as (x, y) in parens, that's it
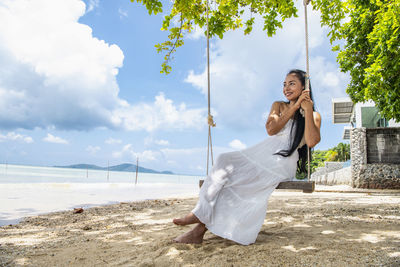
(177, 221)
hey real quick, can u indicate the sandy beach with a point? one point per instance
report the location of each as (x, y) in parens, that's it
(318, 229)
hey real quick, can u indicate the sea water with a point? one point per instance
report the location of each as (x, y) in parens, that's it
(32, 190)
(34, 174)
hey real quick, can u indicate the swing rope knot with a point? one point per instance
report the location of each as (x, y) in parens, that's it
(210, 121)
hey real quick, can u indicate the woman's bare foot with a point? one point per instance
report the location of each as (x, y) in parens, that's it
(188, 219)
(194, 236)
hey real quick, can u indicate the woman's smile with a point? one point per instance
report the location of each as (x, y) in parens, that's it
(292, 87)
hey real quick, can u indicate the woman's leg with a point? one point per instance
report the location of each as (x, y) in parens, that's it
(194, 236)
(208, 196)
(188, 219)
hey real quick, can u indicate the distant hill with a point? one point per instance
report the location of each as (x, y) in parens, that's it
(125, 167)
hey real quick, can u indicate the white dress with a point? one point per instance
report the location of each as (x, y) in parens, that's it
(233, 198)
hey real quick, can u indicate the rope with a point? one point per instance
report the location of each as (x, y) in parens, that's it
(210, 117)
(305, 3)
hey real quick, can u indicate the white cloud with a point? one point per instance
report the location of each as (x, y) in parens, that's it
(129, 154)
(60, 61)
(196, 33)
(161, 142)
(11, 136)
(192, 160)
(147, 155)
(149, 141)
(247, 71)
(237, 145)
(122, 13)
(327, 82)
(74, 73)
(185, 159)
(160, 114)
(112, 141)
(182, 160)
(183, 151)
(92, 5)
(69, 76)
(54, 139)
(126, 149)
(171, 162)
(93, 149)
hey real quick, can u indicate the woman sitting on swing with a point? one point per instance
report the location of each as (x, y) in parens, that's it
(233, 199)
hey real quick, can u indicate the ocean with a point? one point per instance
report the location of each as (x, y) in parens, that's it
(32, 190)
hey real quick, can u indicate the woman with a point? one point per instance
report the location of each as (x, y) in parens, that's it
(233, 199)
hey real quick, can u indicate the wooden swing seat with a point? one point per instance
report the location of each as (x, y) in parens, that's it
(307, 187)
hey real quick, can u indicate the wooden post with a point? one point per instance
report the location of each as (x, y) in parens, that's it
(137, 167)
(108, 170)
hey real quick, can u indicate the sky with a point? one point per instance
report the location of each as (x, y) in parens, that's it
(80, 82)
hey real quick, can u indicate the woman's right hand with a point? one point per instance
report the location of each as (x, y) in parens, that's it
(304, 95)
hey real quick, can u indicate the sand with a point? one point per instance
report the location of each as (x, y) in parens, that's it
(318, 229)
(31, 199)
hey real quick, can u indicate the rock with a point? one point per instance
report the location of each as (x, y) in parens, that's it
(78, 210)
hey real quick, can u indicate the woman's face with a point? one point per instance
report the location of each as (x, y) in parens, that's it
(292, 87)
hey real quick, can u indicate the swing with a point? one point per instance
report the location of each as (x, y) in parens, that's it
(307, 186)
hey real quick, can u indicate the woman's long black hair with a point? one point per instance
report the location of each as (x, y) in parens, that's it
(298, 125)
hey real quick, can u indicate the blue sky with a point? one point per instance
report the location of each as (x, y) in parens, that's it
(80, 82)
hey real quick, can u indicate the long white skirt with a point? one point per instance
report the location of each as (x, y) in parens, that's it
(233, 199)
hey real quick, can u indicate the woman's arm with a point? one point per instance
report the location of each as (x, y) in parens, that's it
(277, 119)
(312, 123)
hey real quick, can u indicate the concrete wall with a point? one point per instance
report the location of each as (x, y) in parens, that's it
(329, 167)
(335, 177)
(374, 156)
(383, 145)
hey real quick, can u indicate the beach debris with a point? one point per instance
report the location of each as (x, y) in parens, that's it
(86, 228)
(78, 210)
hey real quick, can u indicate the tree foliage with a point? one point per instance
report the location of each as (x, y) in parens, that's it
(371, 53)
(224, 15)
(339, 153)
(342, 152)
(368, 28)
